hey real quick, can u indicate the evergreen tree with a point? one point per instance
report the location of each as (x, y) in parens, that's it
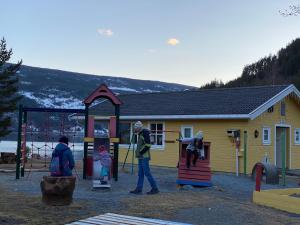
(8, 88)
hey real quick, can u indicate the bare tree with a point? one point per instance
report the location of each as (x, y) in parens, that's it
(294, 10)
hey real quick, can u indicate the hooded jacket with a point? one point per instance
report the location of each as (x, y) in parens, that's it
(67, 160)
(143, 144)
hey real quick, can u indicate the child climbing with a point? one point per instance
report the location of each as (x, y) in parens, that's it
(195, 148)
(105, 161)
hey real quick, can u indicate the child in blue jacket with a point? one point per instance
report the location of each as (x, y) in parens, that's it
(62, 162)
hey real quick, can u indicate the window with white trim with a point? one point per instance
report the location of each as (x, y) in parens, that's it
(266, 136)
(297, 136)
(126, 132)
(156, 134)
(187, 131)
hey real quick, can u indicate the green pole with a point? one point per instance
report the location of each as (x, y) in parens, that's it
(283, 156)
(86, 124)
(245, 152)
(18, 156)
(132, 160)
(24, 121)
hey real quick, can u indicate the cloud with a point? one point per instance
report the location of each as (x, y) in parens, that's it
(173, 41)
(105, 32)
(151, 50)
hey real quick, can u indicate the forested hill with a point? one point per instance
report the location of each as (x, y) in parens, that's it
(282, 68)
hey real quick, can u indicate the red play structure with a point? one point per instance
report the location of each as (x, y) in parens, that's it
(198, 175)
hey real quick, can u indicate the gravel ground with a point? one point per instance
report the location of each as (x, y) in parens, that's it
(227, 202)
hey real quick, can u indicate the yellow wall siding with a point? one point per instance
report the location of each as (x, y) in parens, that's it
(222, 148)
(292, 118)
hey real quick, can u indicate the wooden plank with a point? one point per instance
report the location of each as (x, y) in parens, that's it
(101, 220)
(114, 219)
(195, 183)
(193, 172)
(195, 177)
(129, 220)
(197, 164)
(194, 180)
(138, 219)
(195, 169)
(125, 220)
(149, 220)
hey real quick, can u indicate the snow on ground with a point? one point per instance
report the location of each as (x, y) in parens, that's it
(55, 102)
(123, 89)
(25, 82)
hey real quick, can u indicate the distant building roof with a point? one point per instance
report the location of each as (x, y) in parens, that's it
(220, 103)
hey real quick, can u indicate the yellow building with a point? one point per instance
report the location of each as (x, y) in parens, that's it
(266, 117)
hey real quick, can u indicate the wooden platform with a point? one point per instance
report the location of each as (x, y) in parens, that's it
(198, 175)
(115, 219)
(284, 199)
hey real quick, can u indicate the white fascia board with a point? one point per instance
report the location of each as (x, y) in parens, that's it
(185, 117)
(175, 117)
(272, 101)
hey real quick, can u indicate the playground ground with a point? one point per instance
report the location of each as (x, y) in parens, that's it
(227, 202)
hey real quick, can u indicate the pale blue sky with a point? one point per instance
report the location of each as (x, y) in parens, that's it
(128, 38)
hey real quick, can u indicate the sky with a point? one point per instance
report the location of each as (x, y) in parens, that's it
(181, 41)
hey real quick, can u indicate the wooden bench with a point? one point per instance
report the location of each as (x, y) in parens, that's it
(58, 190)
(8, 158)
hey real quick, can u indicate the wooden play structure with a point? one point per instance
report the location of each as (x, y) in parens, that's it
(101, 92)
(198, 175)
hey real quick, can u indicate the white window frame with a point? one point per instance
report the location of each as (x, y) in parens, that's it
(158, 147)
(268, 141)
(187, 127)
(295, 135)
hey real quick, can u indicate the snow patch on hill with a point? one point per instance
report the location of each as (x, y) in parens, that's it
(54, 101)
(123, 89)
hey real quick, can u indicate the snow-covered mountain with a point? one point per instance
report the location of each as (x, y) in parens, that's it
(56, 88)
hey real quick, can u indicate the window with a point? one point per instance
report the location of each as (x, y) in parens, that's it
(156, 134)
(125, 133)
(297, 136)
(101, 129)
(187, 131)
(266, 135)
(282, 109)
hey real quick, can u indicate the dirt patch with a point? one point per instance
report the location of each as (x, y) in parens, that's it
(18, 208)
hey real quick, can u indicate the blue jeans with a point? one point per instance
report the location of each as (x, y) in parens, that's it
(144, 170)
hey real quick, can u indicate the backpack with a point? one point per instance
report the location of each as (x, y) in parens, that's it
(56, 166)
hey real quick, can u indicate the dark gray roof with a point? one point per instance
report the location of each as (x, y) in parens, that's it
(222, 101)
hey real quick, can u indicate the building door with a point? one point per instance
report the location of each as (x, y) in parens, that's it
(282, 132)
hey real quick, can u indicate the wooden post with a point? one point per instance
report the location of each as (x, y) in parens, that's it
(116, 145)
(18, 156)
(86, 125)
(23, 145)
(258, 171)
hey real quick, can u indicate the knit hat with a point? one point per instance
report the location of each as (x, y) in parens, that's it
(64, 139)
(138, 125)
(199, 135)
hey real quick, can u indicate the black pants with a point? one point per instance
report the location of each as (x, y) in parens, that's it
(189, 154)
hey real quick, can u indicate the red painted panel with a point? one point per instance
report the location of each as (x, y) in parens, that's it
(200, 172)
(102, 92)
(89, 169)
(112, 127)
(194, 177)
(188, 172)
(91, 126)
